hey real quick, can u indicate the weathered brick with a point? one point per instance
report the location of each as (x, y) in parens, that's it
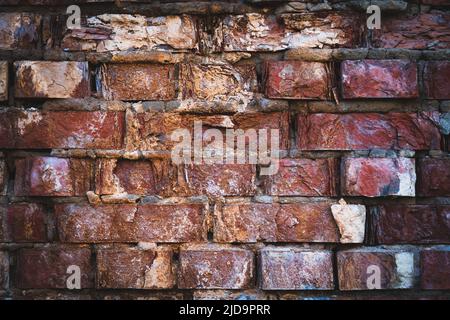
(421, 31)
(50, 79)
(4, 233)
(436, 2)
(358, 269)
(27, 222)
(152, 130)
(365, 131)
(137, 82)
(435, 269)
(293, 222)
(419, 224)
(3, 176)
(217, 81)
(257, 32)
(4, 270)
(4, 83)
(379, 79)
(297, 80)
(134, 268)
(290, 268)
(375, 177)
(50, 176)
(68, 129)
(7, 138)
(435, 77)
(124, 32)
(46, 267)
(78, 223)
(303, 177)
(215, 267)
(19, 30)
(351, 221)
(433, 177)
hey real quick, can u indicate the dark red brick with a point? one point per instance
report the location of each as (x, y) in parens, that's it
(290, 268)
(27, 222)
(435, 269)
(215, 267)
(134, 268)
(365, 131)
(375, 177)
(79, 223)
(50, 176)
(3, 177)
(379, 79)
(4, 270)
(354, 268)
(435, 77)
(297, 80)
(7, 137)
(433, 177)
(137, 82)
(303, 177)
(46, 267)
(417, 224)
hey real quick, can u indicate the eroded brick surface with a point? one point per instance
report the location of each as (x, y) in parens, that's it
(435, 269)
(19, 30)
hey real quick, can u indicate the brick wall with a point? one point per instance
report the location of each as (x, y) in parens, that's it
(86, 176)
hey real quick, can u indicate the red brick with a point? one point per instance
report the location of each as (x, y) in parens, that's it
(379, 79)
(418, 224)
(215, 267)
(7, 138)
(396, 268)
(19, 30)
(303, 177)
(433, 177)
(4, 270)
(26, 222)
(290, 222)
(152, 130)
(435, 269)
(421, 31)
(49, 79)
(435, 77)
(297, 80)
(290, 268)
(376, 177)
(45, 130)
(217, 81)
(365, 131)
(46, 267)
(4, 80)
(79, 223)
(137, 81)
(134, 268)
(3, 177)
(49, 176)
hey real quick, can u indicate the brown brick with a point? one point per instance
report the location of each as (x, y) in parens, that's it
(215, 267)
(7, 138)
(4, 270)
(19, 30)
(137, 82)
(435, 269)
(49, 79)
(376, 177)
(297, 80)
(290, 268)
(303, 177)
(358, 267)
(134, 268)
(79, 223)
(418, 224)
(46, 267)
(433, 177)
(3, 177)
(27, 222)
(50, 176)
(4, 82)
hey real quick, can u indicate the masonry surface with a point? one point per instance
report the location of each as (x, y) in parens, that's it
(86, 176)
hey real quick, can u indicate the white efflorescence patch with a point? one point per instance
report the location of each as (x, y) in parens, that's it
(405, 269)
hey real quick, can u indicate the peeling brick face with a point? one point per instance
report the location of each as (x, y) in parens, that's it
(240, 150)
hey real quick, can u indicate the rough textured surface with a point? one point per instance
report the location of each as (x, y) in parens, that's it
(19, 30)
(215, 267)
(396, 268)
(351, 221)
(26, 222)
(435, 76)
(435, 265)
(295, 269)
(434, 177)
(4, 80)
(45, 79)
(3, 177)
(379, 177)
(4, 270)
(379, 79)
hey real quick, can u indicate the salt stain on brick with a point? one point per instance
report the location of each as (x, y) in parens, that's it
(351, 220)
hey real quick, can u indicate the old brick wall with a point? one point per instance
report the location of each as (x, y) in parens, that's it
(86, 176)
